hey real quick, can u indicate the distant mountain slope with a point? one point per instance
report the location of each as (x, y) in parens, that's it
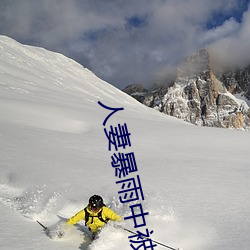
(201, 96)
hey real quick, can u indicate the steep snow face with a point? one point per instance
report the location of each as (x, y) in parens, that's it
(54, 155)
(38, 74)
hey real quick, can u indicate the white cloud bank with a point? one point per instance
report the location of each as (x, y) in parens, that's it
(129, 41)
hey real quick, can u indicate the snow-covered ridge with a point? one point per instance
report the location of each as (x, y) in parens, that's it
(32, 68)
(33, 74)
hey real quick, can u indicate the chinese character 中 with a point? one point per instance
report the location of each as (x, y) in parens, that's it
(119, 138)
(124, 164)
(135, 216)
(128, 191)
(143, 239)
(109, 108)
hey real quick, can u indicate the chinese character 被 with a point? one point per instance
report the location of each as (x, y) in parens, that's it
(143, 239)
(134, 215)
(118, 138)
(124, 164)
(106, 107)
(128, 191)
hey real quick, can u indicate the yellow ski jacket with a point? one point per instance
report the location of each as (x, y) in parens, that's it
(94, 223)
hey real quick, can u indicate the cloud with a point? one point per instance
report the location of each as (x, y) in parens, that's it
(233, 49)
(125, 42)
(228, 28)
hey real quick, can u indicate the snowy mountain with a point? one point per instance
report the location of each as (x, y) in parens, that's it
(201, 95)
(237, 81)
(54, 156)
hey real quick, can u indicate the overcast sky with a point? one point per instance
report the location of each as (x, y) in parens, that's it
(131, 41)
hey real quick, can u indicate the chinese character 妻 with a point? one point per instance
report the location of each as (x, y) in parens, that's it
(119, 138)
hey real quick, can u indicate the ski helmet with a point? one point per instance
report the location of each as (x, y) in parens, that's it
(95, 202)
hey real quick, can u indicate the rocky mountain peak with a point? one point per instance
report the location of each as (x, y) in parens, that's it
(196, 64)
(200, 96)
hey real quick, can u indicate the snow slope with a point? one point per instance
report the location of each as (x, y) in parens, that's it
(54, 155)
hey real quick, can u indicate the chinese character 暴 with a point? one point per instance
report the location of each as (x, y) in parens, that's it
(129, 191)
(124, 164)
(143, 239)
(106, 107)
(135, 216)
(119, 138)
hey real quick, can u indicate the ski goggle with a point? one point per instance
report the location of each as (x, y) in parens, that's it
(94, 208)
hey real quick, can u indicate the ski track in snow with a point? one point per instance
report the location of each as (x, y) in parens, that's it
(37, 205)
(32, 204)
(40, 204)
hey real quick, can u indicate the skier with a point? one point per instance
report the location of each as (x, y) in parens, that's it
(95, 214)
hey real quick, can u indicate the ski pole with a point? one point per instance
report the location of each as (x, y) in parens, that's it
(45, 228)
(157, 242)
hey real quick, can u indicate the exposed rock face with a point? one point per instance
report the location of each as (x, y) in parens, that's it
(137, 91)
(237, 81)
(199, 97)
